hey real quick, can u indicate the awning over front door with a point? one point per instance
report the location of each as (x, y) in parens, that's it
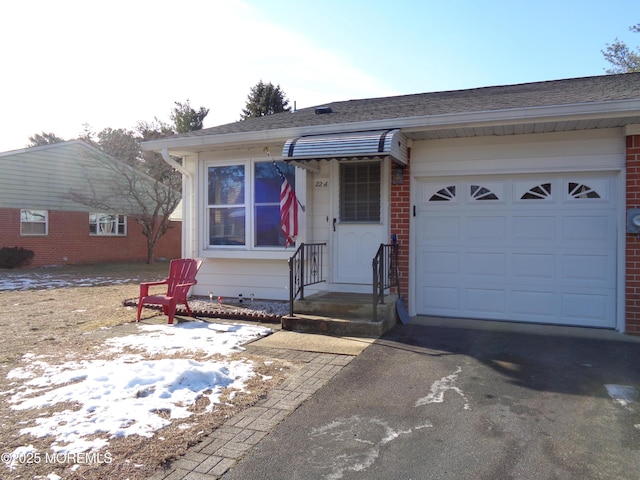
(348, 146)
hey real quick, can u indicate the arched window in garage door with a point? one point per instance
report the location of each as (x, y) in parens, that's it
(478, 192)
(539, 192)
(446, 194)
(580, 191)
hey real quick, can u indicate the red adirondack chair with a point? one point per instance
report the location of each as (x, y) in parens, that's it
(182, 276)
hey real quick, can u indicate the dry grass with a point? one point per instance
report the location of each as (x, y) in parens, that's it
(66, 324)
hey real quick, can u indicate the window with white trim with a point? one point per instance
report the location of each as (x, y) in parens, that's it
(107, 224)
(34, 222)
(243, 204)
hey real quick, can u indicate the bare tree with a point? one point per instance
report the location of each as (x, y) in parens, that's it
(123, 179)
(144, 188)
(621, 57)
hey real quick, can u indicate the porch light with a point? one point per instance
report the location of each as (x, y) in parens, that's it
(397, 176)
(633, 220)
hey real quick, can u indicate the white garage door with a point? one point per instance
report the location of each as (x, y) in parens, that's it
(527, 249)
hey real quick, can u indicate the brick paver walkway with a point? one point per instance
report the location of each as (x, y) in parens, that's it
(213, 456)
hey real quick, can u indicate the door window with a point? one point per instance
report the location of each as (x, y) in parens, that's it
(360, 192)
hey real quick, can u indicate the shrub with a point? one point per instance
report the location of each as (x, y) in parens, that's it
(15, 257)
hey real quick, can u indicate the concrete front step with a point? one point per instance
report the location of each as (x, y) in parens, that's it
(344, 305)
(304, 323)
(345, 314)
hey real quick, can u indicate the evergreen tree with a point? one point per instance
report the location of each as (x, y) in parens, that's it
(44, 138)
(186, 119)
(265, 99)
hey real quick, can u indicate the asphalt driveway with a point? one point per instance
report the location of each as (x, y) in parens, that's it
(444, 399)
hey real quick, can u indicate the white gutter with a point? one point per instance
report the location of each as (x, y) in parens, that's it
(167, 158)
(187, 250)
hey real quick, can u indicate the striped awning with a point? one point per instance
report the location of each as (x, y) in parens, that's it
(348, 146)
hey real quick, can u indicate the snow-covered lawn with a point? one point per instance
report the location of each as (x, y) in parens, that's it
(131, 385)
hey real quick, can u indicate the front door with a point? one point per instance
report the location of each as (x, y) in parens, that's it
(358, 226)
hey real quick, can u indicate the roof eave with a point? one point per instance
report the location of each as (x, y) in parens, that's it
(515, 116)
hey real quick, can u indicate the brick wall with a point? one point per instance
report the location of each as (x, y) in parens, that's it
(400, 218)
(69, 243)
(632, 275)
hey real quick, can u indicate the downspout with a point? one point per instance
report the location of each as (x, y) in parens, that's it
(187, 192)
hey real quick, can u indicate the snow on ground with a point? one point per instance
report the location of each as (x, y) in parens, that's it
(27, 280)
(128, 394)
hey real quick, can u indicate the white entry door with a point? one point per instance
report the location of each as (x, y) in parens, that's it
(533, 249)
(358, 227)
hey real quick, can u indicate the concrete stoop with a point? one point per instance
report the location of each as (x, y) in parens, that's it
(341, 314)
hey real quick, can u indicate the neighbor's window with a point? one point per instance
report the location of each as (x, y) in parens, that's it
(107, 224)
(34, 222)
(238, 192)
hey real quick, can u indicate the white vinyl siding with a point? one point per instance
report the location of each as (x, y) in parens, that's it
(42, 177)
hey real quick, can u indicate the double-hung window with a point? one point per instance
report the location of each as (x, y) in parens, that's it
(227, 205)
(34, 222)
(107, 224)
(243, 207)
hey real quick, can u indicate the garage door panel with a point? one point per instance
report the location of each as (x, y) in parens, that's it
(589, 269)
(485, 264)
(483, 301)
(534, 305)
(441, 300)
(534, 267)
(587, 308)
(437, 229)
(485, 229)
(440, 263)
(547, 253)
(534, 229)
(585, 231)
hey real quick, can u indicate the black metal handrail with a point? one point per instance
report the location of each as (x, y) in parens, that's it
(305, 268)
(385, 273)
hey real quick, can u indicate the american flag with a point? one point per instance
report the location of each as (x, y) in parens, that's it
(288, 212)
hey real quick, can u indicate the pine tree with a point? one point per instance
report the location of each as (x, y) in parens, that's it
(265, 99)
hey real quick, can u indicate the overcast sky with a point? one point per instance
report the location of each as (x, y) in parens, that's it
(67, 63)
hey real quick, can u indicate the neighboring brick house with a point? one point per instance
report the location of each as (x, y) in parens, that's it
(37, 213)
(508, 202)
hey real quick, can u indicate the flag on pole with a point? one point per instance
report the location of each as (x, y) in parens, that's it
(288, 207)
(288, 212)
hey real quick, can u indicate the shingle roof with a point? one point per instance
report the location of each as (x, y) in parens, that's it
(539, 94)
